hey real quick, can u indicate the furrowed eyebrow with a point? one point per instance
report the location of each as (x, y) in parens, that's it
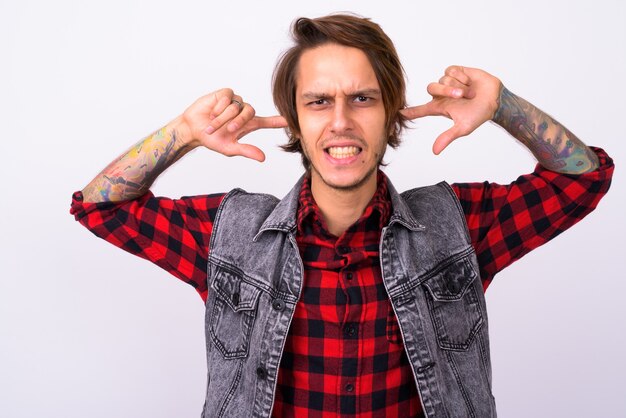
(314, 96)
(366, 92)
(311, 95)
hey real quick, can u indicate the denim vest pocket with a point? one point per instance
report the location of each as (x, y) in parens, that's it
(455, 305)
(233, 314)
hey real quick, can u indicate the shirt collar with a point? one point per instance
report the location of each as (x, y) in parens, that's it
(309, 213)
(284, 216)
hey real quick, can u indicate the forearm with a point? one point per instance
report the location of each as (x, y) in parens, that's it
(554, 146)
(131, 175)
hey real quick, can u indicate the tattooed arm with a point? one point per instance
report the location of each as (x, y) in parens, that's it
(216, 121)
(132, 174)
(471, 97)
(554, 146)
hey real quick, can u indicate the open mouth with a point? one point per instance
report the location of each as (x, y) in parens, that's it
(343, 152)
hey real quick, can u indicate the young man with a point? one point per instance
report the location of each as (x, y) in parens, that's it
(345, 297)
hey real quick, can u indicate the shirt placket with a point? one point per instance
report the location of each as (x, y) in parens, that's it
(348, 387)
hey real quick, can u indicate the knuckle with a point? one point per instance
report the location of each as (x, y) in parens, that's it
(218, 108)
(432, 87)
(216, 124)
(221, 93)
(250, 109)
(225, 100)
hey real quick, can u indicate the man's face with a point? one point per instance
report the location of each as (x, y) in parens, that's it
(341, 116)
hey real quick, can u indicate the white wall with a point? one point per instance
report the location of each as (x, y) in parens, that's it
(88, 330)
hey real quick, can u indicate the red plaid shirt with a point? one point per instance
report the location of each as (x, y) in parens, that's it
(344, 352)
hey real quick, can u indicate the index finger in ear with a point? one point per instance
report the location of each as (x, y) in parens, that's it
(458, 72)
(271, 122)
(415, 112)
(259, 122)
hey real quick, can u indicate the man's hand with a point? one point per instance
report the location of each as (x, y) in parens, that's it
(468, 96)
(220, 119)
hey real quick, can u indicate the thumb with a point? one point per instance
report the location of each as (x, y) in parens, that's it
(446, 138)
(248, 151)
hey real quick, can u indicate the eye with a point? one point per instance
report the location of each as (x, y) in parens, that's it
(361, 99)
(318, 102)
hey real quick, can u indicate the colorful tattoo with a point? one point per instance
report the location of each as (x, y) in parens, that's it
(132, 174)
(554, 146)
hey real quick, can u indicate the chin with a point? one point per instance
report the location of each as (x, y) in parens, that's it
(346, 183)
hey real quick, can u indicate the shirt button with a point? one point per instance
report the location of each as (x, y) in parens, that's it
(349, 387)
(278, 305)
(235, 298)
(349, 276)
(350, 331)
(343, 249)
(261, 372)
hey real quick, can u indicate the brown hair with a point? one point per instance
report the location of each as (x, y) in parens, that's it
(351, 31)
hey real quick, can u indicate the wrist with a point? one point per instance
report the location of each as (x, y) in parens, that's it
(504, 95)
(180, 130)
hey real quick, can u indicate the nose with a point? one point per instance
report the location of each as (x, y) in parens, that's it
(341, 118)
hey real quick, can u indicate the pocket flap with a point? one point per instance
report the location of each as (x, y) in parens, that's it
(452, 281)
(238, 294)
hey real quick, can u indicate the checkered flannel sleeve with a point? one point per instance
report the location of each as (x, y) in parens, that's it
(172, 233)
(507, 221)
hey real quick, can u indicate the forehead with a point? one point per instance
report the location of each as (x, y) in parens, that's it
(333, 68)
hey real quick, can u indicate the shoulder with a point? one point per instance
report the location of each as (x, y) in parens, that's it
(244, 199)
(434, 197)
(246, 205)
(441, 190)
(433, 203)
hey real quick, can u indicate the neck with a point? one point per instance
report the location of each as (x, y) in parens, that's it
(340, 208)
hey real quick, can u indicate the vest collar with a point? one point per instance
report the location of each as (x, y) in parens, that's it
(400, 212)
(283, 217)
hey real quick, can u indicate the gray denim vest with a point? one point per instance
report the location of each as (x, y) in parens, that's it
(429, 269)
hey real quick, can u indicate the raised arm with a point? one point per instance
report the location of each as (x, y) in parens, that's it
(216, 121)
(554, 146)
(471, 97)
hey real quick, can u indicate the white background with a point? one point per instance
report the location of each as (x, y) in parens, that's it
(87, 330)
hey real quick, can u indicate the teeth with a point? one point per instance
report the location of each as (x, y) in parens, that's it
(343, 152)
